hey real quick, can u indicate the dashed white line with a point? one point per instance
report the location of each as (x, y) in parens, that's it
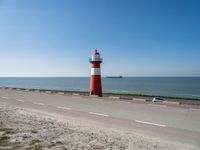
(150, 123)
(66, 108)
(39, 104)
(19, 100)
(99, 114)
(4, 97)
(124, 102)
(195, 109)
(157, 105)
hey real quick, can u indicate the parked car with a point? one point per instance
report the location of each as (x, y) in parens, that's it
(157, 99)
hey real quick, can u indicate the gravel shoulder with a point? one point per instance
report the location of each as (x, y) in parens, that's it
(29, 129)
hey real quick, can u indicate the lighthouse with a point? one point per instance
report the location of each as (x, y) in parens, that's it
(95, 78)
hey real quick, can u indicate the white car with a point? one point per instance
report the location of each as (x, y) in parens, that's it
(157, 99)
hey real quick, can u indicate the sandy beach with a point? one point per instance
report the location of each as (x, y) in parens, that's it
(29, 129)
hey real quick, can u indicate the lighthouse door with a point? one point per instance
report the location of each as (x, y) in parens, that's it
(92, 93)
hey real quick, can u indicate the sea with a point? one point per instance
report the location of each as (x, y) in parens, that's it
(183, 87)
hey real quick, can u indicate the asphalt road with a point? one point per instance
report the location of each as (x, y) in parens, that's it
(179, 125)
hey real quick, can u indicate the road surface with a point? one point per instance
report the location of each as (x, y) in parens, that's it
(174, 124)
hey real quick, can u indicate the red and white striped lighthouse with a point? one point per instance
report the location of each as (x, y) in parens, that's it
(95, 78)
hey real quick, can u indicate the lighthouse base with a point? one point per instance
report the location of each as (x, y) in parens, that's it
(95, 86)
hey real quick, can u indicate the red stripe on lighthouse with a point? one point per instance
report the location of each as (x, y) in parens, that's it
(95, 65)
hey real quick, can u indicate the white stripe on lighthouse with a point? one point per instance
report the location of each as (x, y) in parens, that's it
(95, 71)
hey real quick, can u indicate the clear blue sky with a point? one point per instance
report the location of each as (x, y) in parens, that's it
(134, 37)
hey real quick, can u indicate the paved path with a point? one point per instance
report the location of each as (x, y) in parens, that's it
(174, 124)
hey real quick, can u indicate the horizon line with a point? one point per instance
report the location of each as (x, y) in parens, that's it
(82, 76)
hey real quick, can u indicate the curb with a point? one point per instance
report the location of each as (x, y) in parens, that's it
(76, 94)
(113, 97)
(171, 103)
(62, 93)
(139, 100)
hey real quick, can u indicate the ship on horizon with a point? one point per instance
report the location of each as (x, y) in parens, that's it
(114, 77)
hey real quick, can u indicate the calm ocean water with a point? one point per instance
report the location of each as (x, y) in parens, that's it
(188, 87)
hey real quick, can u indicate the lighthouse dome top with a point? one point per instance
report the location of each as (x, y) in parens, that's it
(95, 57)
(95, 52)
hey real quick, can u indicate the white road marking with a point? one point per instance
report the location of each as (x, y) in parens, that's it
(39, 104)
(157, 105)
(124, 102)
(19, 100)
(195, 109)
(99, 114)
(4, 97)
(60, 93)
(66, 108)
(150, 123)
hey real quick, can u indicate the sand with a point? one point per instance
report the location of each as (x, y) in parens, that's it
(29, 129)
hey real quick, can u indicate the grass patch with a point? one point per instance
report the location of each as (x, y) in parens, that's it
(34, 131)
(4, 140)
(35, 147)
(35, 142)
(5, 129)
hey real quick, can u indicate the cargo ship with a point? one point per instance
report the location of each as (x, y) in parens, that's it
(114, 77)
